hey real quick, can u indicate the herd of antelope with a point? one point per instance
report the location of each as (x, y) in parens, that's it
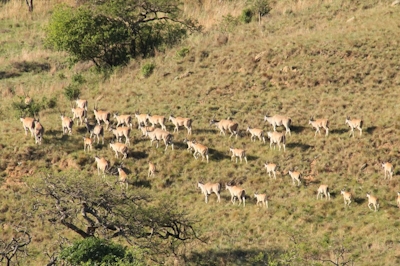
(123, 127)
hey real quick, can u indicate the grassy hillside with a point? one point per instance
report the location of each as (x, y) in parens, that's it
(329, 59)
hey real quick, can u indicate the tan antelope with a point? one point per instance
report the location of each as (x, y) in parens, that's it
(156, 119)
(277, 138)
(142, 119)
(346, 197)
(181, 122)
(28, 100)
(122, 177)
(101, 115)
(398, 199)
(120, 132)
(323, 190)
(279, 120)
(66, 124)
(28, 123)
(224, 125)
(189, 144)
(159, 134)
(354, 124)
(209, 188)
(256, 132)
(119, 148)
(238, 153)
(102, 165)
(261, 198)
(152, 169)
(87, 143)
(296, 176)
(123, 120)
(96, 130)
(80, 103)
(144, 129)
(388, 169)
(271, 167)
(372, 200)
(199, 149)
(237, 192)
(79, 113)
(38, 132)
(318, 123)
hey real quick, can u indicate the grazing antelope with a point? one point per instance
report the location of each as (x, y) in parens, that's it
(224, 125)
(398, 199)
(277, 138)
(96, 130)
(354, 123)
(279, 120)
(323, 190)
(123, 119)
(102, 116)
(199, 149)
(318, 123)
(372, 201)
(181, 121)
(237, 192)
(142, 119)
(79, 113)
(87, 143)
(346, 197)
(238, 153)
(38, 132)
(119, 148)
(296, 176)
(256, 132)
(209, 188)
(80, 103)
(119, 132)
(152, 169)
(261, 198)
(122, 177)
(271, 167)
(66, 124)
(156, 119)
(159, 134)
(102, 165)
(144, 129)
(388, 169)
(28, 123)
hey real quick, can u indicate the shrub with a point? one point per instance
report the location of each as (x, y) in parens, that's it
(246, 16)
(147, 69)
(183, 52)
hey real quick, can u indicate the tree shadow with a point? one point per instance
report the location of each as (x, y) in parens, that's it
(302, 146)
(7, 75)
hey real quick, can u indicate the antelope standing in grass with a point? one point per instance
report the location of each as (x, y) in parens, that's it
(96, 130)
(318, 123)
(199, 149)
(181, 122)
(277, 138)
(189, 144)
(209, 188)
(141, 119)
(79, 113)
(152, 169)
(87, 143)
(261, 198)
(323, 190)
(66, 124)
(81, 103)
(256, 132)
(296, 176)
(159, 134)
(237, 192)
(156, 119)
(119, 148)
(123, 120)
(354, 124)
(224, 125)
(28, 123)
(388, 169)
(102, 165)
(346, 197)
(101, 115)
(122, 177)
(238, 153)
(144, 129)
(38, 132)
(271, 167)
(28, 100)
(279, 120)
(120, 132)
(398, 199)
(372, 200)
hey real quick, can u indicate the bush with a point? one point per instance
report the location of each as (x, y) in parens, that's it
(246, 16)
(183, 52)
(147, 69)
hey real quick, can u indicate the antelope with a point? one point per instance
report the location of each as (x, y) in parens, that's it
(96, 130)
(277, 138)
(142, 119)
(189, 144)
(181, 121)
(80, 103)
(388, 169)
(123, 177)
(346, 197)
(323, 190)
(156, 119)
(28, 123)
(199, 149)
(152, 169)
(38, 132)
(121, 131)
(123, 119)
(398, 199)
(144, 129)
(354, 123)
(318, 123)
(119, 148)
(102, 165)
(238, 153)
(66, 124)
(296, 176)
(237, 192)
(159, 134)
(209, 188)
(224, 125)
(28, 100)
(256, 132)
(279, 120)
(79, 113)
(102, 116)
(261, 198)
(271, 167)
(372, 201)
(87, 143)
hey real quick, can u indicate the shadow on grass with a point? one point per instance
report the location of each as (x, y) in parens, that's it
(218, 156)
(140, 183)
(339, 131)
(302, 146)
(6, 75)
(298, 129)
(360, 200)
(138, 155)
(370, 130)
(205, 131)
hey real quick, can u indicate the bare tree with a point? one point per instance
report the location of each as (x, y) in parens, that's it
(9, 250)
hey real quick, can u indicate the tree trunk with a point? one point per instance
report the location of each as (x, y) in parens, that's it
(30, 5)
